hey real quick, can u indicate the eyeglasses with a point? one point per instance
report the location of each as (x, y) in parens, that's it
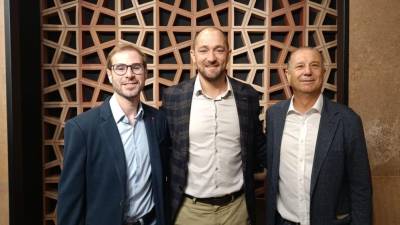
(121, 69)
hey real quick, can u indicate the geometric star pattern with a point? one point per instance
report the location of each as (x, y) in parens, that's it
(321, 33)
(77, 36)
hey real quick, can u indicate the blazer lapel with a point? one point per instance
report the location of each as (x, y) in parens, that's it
(183, 115)
(326, 132)
(111, 134)
(279, 125)
(154, 153)
(242, 106)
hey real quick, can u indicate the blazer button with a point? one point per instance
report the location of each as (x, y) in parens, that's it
(121, 203)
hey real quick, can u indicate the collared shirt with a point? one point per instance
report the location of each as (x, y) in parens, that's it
(139, 196)
(296, 162)
(215, 165)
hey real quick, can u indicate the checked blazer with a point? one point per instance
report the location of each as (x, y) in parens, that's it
(341, 190)
(177, 104)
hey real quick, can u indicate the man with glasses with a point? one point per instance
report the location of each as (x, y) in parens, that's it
(217, 140)
(113, 171)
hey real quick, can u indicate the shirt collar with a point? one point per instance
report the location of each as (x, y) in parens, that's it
(198, 90)
(317, 107)
(118, 113)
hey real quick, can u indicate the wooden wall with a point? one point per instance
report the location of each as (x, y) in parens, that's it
(77, 36)
(374, 93)
(373, 87)
(4, 220)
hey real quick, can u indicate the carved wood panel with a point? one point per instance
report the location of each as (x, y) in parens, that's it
(78, 35)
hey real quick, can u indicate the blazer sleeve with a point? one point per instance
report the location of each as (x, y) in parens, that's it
(164, 145)
(164, 139)
(359, 175)
(268, 139)
(71, 198)
(258, 134)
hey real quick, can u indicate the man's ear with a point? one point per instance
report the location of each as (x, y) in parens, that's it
(287, 74)
(109, 76)
(192, 55)
(228, 55)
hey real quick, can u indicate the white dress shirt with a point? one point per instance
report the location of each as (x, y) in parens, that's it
(296, 162)
(215, 163)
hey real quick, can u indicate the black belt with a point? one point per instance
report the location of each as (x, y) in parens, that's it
(220, 201)
(144, 220)
(282, 221)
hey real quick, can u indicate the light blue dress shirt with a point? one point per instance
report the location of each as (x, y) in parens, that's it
(139, 196)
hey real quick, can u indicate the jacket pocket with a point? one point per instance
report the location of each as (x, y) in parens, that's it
(342, 219)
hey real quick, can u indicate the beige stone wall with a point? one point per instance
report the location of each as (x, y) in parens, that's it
(374, 92)
(3, 127)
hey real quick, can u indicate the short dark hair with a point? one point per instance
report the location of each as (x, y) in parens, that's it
(210, 28)
(125, 47)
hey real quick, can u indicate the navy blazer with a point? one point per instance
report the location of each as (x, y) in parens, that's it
(340, 179)
(92, 188)
(177, 104)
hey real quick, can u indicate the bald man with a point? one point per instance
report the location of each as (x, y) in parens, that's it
(317, 161)
(217, 140)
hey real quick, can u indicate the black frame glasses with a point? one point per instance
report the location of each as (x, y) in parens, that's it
(136, 68)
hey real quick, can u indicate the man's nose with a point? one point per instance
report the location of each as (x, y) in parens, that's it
(129, 72)
(211, 56)
(307, 70)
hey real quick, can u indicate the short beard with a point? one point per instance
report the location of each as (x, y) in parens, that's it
(212, 78)
(129, 98)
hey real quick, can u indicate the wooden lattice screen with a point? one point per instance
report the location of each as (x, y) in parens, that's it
(78, 35)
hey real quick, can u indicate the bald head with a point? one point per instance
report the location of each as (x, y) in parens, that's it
(208, 31)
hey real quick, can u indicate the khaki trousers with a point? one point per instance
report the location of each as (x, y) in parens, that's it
(197, 213)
